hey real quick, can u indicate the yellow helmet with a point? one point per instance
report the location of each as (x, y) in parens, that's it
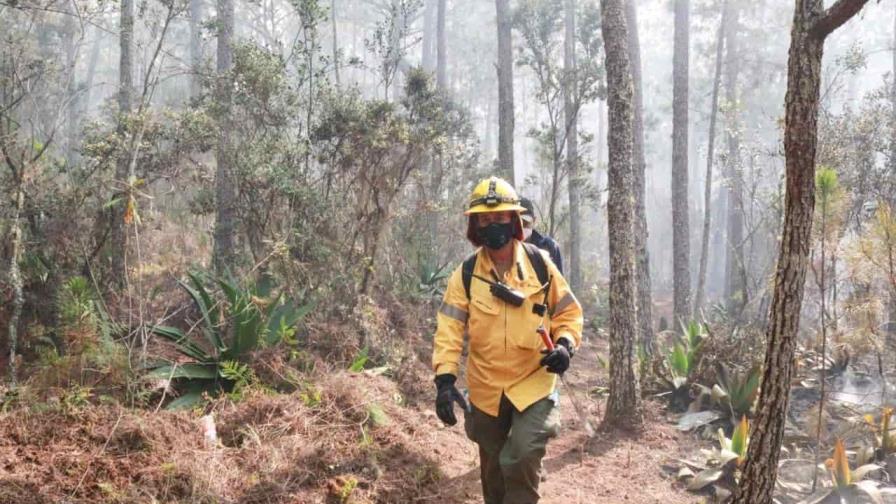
(493, 194)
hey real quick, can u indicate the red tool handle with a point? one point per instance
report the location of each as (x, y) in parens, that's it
(545, 338)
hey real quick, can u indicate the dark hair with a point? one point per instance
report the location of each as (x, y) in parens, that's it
(528, 205)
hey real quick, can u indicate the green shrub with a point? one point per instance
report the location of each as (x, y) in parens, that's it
(233, 323)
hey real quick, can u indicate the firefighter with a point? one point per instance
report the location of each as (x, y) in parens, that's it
(500, 297)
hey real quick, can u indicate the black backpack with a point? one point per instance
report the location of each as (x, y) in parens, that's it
(535, 257)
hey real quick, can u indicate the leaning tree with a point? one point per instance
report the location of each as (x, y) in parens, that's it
(812, 23)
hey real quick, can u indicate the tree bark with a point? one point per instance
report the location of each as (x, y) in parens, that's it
(623, 405)
(427, 53)
(72, 121)
(505, 91)
(92, 63)
(642, 254)
(710, 154)
(335, 41)
(223, 257)
(680, 227)
(15, 274)
(891, 327)
(195, 47)
(572, 147)
(441, 54)
(735, 267)
(757, 482)
(118, 232)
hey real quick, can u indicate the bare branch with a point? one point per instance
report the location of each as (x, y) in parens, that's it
(835, 16)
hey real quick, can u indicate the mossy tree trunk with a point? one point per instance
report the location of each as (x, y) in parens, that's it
(811, 25)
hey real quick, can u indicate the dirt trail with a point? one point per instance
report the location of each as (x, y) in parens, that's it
(320, 445)
(611, 468)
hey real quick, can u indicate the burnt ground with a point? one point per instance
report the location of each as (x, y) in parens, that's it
(339, 437)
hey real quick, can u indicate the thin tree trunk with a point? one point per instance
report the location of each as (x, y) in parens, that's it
(601, 137)
(735, 287)
(195, 47)
(91, 74)
(118, 233)
(572, 147)
(427, 52)
(335, 41)
(891, 327)
(441, 54)
(623, 405)
(505, 91)
(72, 121)
(824, 345)
(223, 258)
(487, 143)
(15, 275)
(680, 227)
(556, 163)
(710, 155)
(811, 25)
(642, 254)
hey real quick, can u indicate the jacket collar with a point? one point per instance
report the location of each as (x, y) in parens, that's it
(519, 269)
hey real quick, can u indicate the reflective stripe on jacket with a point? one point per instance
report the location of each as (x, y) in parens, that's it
(505, 348)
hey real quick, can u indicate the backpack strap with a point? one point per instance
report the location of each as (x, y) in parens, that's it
(467, 272)
(535, 257)
(537, 260)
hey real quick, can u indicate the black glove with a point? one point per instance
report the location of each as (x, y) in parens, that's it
(557, 360)
(446, 395)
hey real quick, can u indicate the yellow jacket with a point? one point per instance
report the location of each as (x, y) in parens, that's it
(505, 348)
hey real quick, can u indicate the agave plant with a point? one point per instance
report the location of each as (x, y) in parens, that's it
(848, 484)
(736, 390)
(730, 456)
(430, 279)
(232, 324)
(685, 351)
(883, 439)
(682, 360)
(735, 448)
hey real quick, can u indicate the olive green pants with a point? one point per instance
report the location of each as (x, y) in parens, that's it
(511, 447)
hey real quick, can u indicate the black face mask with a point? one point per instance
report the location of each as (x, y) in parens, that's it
(496, 234)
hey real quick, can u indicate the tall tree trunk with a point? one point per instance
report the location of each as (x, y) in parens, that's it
(15, 274)
(710, 154)
(735, 267)
(118, 232)
(72, 121)
(811, 25)
(892, 200)
(639, 167)
(427, 51)
(335, 41)
(505, 91)
(441, 54)
(681, 235)
(92, 64)
(195, 47)
(623, 405)
(224, 258)
(557, 165)
(572, 147)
